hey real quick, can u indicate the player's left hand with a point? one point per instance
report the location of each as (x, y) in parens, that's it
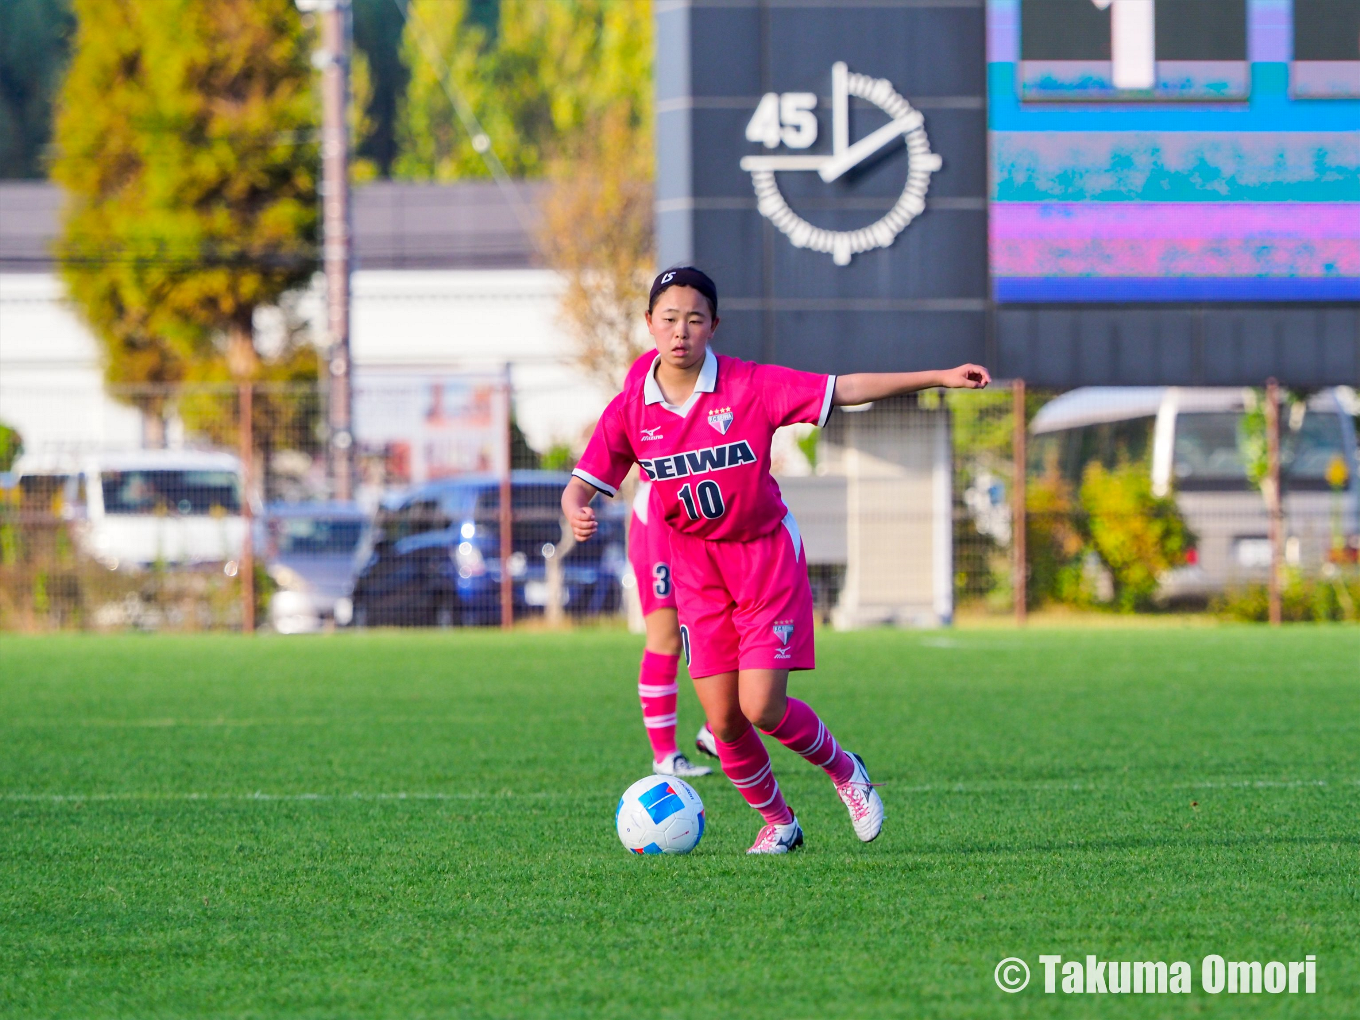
(966, 377)
(583, 524)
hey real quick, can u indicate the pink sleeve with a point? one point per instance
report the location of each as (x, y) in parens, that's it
(792, 396)
(608, 455)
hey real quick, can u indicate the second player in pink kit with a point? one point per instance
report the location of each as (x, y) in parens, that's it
(699, 425)
(649, 553)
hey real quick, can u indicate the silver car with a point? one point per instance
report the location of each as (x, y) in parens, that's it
(309, 549)
(1191, 440)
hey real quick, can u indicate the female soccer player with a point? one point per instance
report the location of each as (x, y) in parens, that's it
(649, 552)
(699, 425)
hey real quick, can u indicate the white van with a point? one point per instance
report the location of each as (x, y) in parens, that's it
(180, 507)
(1189, 437)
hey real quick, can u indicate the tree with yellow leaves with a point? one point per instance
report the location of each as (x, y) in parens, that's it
(186, 145)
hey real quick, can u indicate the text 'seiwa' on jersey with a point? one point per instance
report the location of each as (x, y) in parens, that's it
(709, 459)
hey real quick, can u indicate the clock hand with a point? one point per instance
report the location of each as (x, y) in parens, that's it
(866, 147)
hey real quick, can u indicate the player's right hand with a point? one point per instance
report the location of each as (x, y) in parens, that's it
(583, 523)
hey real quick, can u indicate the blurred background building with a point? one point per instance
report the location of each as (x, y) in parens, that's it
(1136, 212)
(447, 282)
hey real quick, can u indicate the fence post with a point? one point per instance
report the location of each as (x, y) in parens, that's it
(246, 563)
(1274, 503)
(507, 507)
(1020, 558)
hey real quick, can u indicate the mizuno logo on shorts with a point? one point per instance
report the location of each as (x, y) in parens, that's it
(699, 462)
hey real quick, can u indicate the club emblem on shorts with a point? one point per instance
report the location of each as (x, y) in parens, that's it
(721, 419)
(650, 435)
(783, 629)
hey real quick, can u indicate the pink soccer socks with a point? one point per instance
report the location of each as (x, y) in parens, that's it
(747, 764)
(657, 691)
(803, 733)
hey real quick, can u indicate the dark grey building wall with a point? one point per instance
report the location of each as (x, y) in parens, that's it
(1179, 345)
(923, 301)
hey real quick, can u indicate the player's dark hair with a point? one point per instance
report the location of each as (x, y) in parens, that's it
(684, 276)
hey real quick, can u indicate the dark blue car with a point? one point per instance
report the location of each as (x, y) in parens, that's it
(432, 557)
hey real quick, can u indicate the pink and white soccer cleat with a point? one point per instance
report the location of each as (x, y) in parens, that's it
(862, 801)
(778, 839)
(706, 742)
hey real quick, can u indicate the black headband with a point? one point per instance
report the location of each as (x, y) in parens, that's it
(685, 276)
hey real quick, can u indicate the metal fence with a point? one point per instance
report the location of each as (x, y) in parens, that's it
(912, 512)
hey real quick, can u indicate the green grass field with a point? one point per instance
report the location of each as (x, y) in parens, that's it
(421, 825)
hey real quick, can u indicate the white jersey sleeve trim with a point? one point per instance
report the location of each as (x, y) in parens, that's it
(826, 403)
(590, 479)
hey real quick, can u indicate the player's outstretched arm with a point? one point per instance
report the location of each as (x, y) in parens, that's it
(576, 507)
(862, 387)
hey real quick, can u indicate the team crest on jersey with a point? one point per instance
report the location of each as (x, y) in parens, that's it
(783, 629)
(721, 419)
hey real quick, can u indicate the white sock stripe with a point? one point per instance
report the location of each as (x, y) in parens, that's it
(656, 722)
(835, 753)
(657, 691)
(816, 744)
(754, 780)
(767, 803)
(752, 784)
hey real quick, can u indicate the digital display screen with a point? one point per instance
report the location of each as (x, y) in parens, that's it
(1327, 29)
(1133, 49)
(1192, 150)
(1326, 49)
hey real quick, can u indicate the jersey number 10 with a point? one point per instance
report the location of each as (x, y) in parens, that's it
(710, 500)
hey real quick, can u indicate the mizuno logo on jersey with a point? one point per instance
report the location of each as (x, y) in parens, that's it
(650, 435)
(699, 462)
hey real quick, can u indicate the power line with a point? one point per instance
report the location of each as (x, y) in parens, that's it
(481, 141)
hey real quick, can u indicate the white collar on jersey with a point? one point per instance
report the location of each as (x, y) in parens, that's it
(706, 383)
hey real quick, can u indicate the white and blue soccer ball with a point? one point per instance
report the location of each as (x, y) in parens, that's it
(660, 815)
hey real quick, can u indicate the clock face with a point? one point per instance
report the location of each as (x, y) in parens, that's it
(788, 119)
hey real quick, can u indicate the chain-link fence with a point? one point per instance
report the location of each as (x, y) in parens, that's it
(176, 517)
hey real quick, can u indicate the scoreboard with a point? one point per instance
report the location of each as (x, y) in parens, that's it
(1174, 150)
(1076, 192)
(1144, 49)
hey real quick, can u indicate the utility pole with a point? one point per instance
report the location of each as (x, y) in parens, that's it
(333, 61)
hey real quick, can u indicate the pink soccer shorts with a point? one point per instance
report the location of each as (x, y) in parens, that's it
(649, 551)
(744, 605)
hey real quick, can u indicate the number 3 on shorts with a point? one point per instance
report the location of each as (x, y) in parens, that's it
(661, 580)
(710, 502)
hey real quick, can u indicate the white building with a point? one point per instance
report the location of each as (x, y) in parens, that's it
(447, 281)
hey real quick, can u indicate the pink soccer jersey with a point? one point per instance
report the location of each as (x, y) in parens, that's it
(709, 459)
(649, 551)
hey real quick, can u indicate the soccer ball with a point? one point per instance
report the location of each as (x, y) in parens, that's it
(660, 815)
